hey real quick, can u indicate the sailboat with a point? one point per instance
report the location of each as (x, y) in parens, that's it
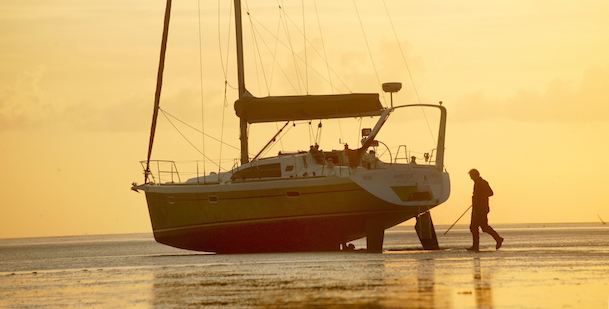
(311, 200)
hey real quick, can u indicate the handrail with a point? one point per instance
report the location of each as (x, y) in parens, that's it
(397, 153)
(161, 171)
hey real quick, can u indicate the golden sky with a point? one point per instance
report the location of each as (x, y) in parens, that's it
(526, 85)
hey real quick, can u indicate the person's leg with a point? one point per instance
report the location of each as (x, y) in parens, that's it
(474, 228)
(488, 229)
(498, 239)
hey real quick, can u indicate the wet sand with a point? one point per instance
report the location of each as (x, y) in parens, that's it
(556, 266)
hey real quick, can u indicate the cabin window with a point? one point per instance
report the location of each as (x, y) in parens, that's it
(259, 171)
(212, 199)
(289, 168)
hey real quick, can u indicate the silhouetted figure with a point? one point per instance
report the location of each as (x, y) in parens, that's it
(353, 155)
(480, 210)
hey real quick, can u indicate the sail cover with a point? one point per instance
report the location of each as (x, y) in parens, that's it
(307, 107)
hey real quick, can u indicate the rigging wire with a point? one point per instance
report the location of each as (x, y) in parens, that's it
(201, 84)
(225, 72)
(311, 134)
(257, 35)
(402, 52)
(197, 130)
(304, 37)
(297, 58)
(369, 50)
(408, 70)
(289, 48)
(319, 130)
(323, 45)
(256, 51)
(275, 60)
(319, 54)
(270, 142)
(284, 20)
(280, 141)
(357, 139)
(230, 19)
(278, 138)
(294, 56)
(224, 69)
(273, 54)
(222, 125)
(191, 144)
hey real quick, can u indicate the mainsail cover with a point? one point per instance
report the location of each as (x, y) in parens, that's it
(307, 107)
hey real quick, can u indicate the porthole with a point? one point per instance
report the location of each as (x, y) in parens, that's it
(212, 199)
(171, 200)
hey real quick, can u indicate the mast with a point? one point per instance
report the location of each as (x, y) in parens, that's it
(241, 81)
(159, 84)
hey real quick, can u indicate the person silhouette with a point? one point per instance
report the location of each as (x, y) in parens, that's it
(480, 210)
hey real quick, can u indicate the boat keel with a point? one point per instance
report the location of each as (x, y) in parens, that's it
(375, 234)
(427, 232)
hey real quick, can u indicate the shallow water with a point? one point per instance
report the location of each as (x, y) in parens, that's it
(540, 266)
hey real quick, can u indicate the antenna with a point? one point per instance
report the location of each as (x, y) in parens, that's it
(391, 88)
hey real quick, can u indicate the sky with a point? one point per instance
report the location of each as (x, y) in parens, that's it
(525, 83)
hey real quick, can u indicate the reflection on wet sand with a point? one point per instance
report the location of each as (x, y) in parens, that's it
(336, 281)
(554, 268)
(426, 279)
(272, 285)
(482, 286)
